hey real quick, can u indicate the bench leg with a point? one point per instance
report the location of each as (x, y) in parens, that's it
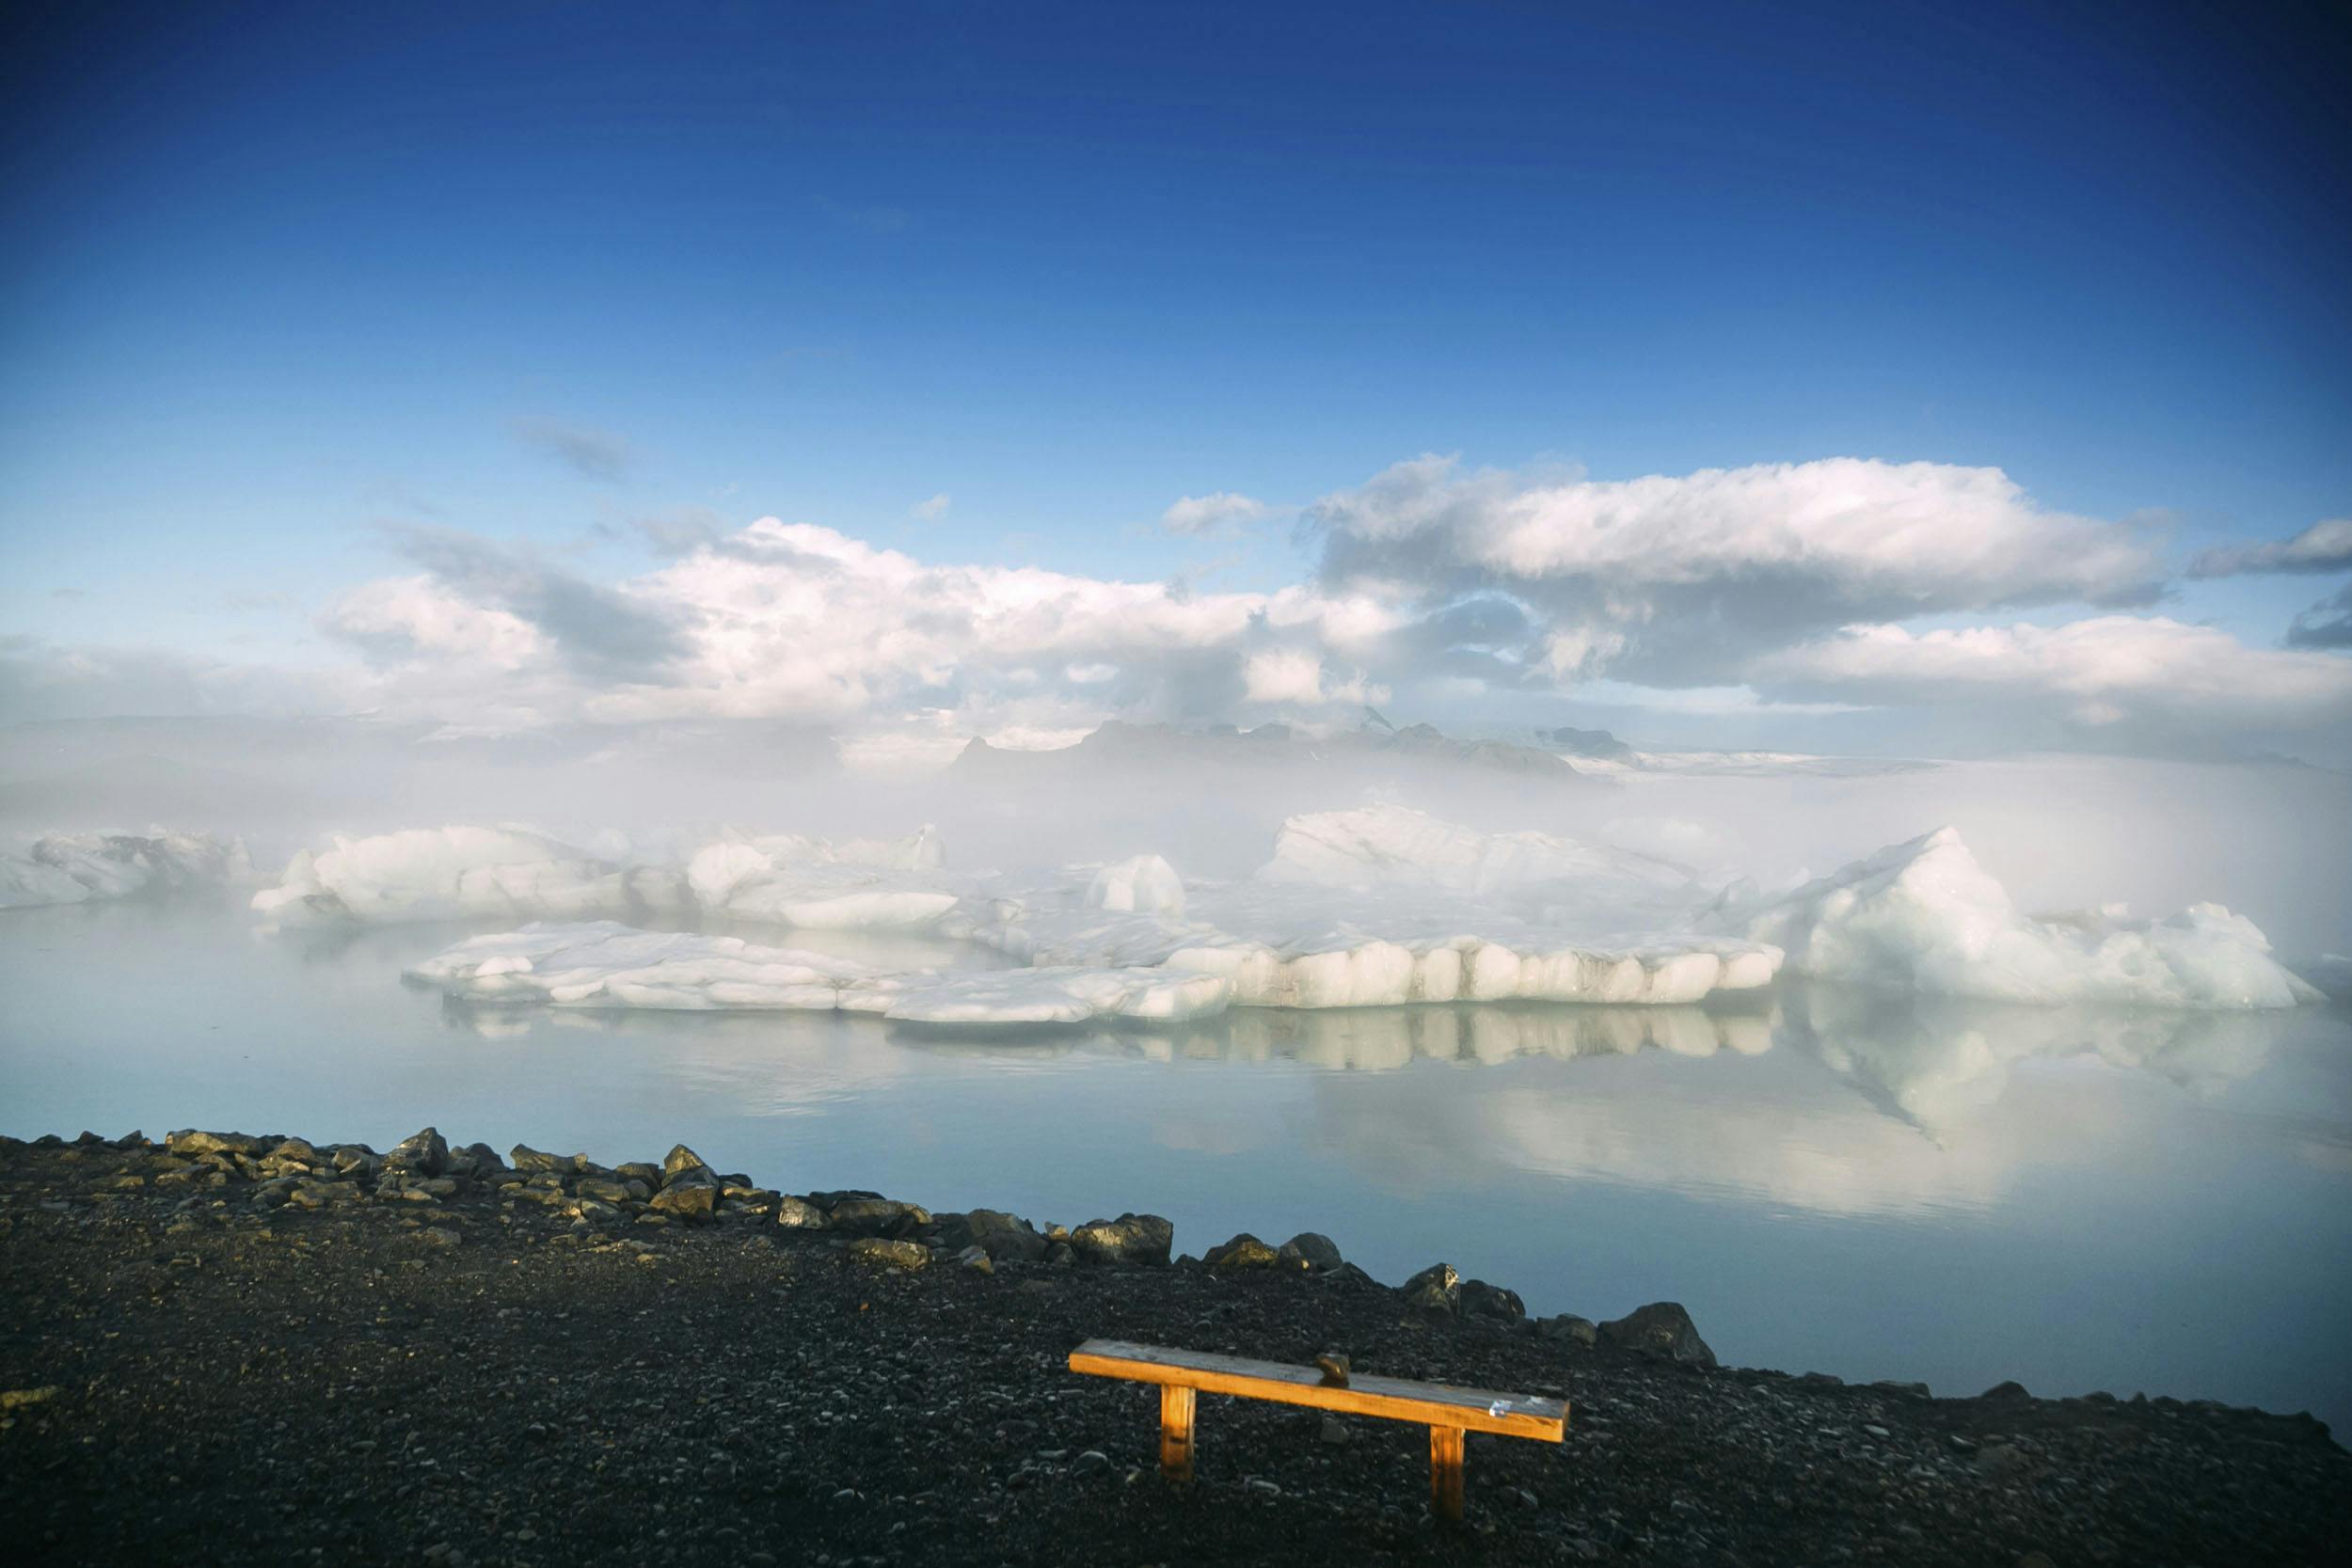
(1445, 1473)
(1176, 1411)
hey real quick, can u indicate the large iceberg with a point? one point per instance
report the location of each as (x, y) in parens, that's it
(605, 964)
(1384, 906)
(1925, 916)
(75, 868)
(463, 872)
(861, 884)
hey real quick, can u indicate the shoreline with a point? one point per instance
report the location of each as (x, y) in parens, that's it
(109, 1243)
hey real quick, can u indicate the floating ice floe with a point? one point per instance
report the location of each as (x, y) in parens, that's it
(863, 884)
(1925, 916)
(463, 872)
(76, 869)
(606, 964)
(1386, 906)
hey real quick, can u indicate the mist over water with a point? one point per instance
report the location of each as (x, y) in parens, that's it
(1851, 1178)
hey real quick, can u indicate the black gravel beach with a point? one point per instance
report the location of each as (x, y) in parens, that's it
(223, 1348)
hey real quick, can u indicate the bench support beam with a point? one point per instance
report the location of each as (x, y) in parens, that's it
(1445, 1473)
(1176, 1413)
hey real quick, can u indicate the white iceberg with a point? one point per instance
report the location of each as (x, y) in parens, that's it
(1925, 916)
(1384, 906)
(76, 869)
(606, 964)
(461, 873)
(862, 884)
(1143, 884)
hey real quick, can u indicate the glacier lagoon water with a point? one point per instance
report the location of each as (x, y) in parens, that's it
(1873, 1186)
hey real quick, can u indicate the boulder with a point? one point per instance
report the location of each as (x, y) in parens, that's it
(1478, 1299)
(1003, 1235)
(689, 1197)
(190, 1143)
(1437, 1290)
(679, 1160)
(976, 1256)
(887, 1254)
(1311, 1250)
(1244, 1251)
(1129, 1239)
(604, 1189)
(424, 1153)
(1568, 1327)
(829, 1201)
(879, 1217)
(640, 1170)
(799, 1214)
(1661, 1329)
(537, 1160)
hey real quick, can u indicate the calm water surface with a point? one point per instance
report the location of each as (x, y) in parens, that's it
(1874, 1187)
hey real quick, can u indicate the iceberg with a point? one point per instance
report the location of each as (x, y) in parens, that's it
(76, 869)
(861, 884)
(606, 964)
(462, 872)
(1925, 916)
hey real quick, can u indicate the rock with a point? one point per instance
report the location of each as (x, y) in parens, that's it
(1437, 1290)
(1244, 1251)
(1059, 1255)
(894, 1255)
(1334, 1368)
(2000, 1459)
(1664, 1329)
(679, 1160)
(1005, 1236)
(1478, 1299)
(298, 1150)
(1312, 1249)
(1129, 1239)
(799, 1214)
(536, 1160)
(190, 1143)
(1334, 1431)
(474, 1160)
(605, 1190)
(689, 1199)
(639, 1170)
(439, 1236)
(17, 1398)
(976, 1256)
(1907, 1390)
(423, 1153)
(1092, 1462)
(879, 1217)
(1569, 1328)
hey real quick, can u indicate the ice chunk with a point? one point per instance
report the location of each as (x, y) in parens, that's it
(863, 884)
(1144, 883)
(457, 872)
(1391, 847)
(1925, 915)
(606, 964)
(75, 869)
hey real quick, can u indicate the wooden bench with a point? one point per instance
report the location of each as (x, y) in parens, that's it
(1450, 1412)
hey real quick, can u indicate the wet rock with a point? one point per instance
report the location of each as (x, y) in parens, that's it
(1663, 1329)
(1312, 1249)
(422, 1153)
(1478, 1299)
(795, 1213)
(535, 1161)
(1129, 1239)
(191, 1143)
(879, 1217)
(1244, 1251)
(1568, 1327)
(888, 1254)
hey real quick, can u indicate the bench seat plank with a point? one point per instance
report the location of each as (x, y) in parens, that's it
(1397, 1399)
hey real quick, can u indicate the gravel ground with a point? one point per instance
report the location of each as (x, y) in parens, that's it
(224, 1352)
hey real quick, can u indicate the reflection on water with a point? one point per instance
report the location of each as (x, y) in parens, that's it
(1870, 1184)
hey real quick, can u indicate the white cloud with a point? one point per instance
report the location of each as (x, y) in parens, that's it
(1208, 514)
(931, 509)
(2323, 547)
(2100, 672)
(1675, 580)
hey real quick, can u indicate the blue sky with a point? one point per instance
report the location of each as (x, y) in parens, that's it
(280, 276)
